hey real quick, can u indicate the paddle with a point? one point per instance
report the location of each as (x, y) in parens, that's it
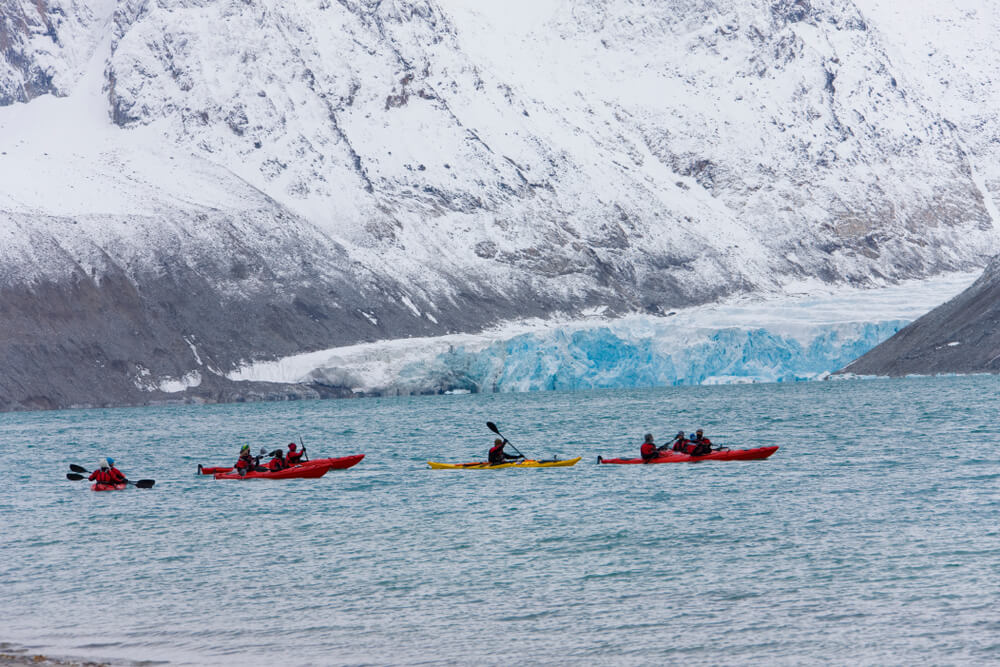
(142, 483)
(493, 427)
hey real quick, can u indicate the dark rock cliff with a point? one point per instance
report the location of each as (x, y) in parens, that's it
(960, 336)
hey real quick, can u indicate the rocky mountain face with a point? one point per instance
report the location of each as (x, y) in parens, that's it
(186, 185)
(960, 336)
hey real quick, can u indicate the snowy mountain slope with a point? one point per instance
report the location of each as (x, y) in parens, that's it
(664, 134)
(45, 44)
(228, 181)
(949, 51)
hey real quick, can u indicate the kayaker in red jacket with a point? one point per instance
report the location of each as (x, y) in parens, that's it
(680, 442)
(278, 462)
(294, 454)
(116, 474)
(247, 461)
(702, 445)
(497, 455)
(648, 449)
(102, 475)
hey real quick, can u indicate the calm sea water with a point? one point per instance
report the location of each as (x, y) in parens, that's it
(872, 536)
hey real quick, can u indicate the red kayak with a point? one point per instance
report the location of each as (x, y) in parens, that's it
(295, 472)
(100, 486)
(330, 464)
(724, 455)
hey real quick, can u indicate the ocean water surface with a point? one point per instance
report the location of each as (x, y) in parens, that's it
(871, 536)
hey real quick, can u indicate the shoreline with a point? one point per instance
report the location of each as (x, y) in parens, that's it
(16, 654)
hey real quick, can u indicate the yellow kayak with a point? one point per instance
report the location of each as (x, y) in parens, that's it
(483, 465)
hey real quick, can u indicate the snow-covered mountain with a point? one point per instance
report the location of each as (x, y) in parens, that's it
(189, 185)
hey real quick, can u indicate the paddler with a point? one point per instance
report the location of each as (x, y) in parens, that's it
(116, 475)
(680, 442)
(702, 444)
(497, 455)
(294, 457)
(246, 461)
(103, 474)
(648, 449)
(278, 462)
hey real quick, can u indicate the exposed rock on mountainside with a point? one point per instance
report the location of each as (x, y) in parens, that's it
(235, 180)
(960, 336)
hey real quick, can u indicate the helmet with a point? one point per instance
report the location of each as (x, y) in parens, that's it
(104, 464)
(111, 462)
(291, 446)
(244, 448)
(649, 437)
(699, 431)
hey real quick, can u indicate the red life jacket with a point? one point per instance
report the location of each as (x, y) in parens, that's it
(276, 464)
(496, 455)
(648, 450)
(294, 458)
(680, 445)
(116, 475)
(101, 476)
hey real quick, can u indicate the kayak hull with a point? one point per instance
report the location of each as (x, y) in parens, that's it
(98, 486)
(295, 472)
(339, 463)
(483, 465)
(756, 454)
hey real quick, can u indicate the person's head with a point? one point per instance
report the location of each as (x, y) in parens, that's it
(279, 454)
(292, 447)
(245, 449)
(649, 437)
(680, 434)
(111, 462)
(104, 464)
(699, 433)
(497, 442)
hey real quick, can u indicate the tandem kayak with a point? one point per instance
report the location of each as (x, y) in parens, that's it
(484, 465)
(330, 464)
(100, 486)
(724, 455)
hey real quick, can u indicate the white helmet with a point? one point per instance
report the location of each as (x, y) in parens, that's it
(104, 464)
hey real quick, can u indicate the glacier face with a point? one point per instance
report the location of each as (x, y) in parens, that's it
(783, 339)
(265, 178)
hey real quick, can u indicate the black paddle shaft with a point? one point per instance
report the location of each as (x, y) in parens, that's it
(493, 427)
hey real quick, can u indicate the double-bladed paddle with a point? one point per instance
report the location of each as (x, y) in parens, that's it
(493, 427)
(142, 483)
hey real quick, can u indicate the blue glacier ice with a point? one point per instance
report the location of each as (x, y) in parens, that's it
(603, 357)
(804, 334)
